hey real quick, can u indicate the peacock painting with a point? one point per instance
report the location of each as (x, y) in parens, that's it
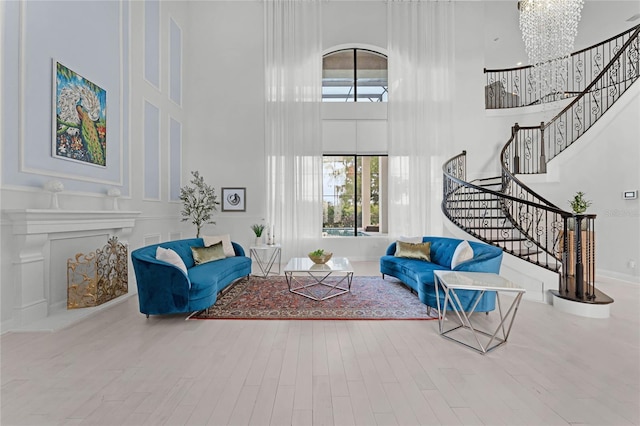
(81, 118)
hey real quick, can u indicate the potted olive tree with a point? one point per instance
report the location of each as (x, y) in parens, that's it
(198, 202)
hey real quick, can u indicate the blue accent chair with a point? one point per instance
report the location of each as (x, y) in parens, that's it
(418, 274)
(165, 289)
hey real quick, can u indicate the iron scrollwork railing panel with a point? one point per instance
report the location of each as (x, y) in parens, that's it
(515, 224)
(616, 65)
(504, 87)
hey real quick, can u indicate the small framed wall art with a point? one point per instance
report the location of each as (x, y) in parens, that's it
(234, 199)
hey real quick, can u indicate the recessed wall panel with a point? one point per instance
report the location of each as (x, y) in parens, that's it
(151, 239)
(151, 151)
(175, 62)
(35, 40)
(175, 158)
(152, 42)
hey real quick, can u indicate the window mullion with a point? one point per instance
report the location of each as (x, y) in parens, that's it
(355, 196)
(355, 76)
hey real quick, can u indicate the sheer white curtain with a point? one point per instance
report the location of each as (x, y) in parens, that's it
(421, 74)
(293, 143)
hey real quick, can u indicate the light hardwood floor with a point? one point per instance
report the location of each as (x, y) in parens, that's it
(119, 368)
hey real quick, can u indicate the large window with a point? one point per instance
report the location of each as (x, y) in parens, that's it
(354, 195)
(354, 75)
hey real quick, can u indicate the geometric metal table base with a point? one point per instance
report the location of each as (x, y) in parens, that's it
(475, 282)
(333, 287)
(264, 264)
(319, 277)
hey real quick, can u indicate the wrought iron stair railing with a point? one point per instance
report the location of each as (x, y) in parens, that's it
(535, 231)
(515, 87)
(523, 223)
(532, 147)
(488, 215)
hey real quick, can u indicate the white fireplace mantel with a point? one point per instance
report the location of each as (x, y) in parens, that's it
(40, 221)
(33, 231)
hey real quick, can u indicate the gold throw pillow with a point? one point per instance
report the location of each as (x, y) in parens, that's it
(208, 254)
(420, 251)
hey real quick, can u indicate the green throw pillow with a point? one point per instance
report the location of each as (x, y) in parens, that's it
(208, 254)
(420, 251)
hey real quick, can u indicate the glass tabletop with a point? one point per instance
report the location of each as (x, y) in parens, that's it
(266, 247)
(477, 281)
(304, 264)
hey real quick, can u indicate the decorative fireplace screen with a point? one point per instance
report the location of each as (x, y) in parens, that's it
(97, 277)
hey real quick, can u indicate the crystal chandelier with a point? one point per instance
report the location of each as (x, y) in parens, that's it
(549, 28)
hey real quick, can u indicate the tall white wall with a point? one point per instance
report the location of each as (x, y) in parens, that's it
(225, 93)
(103, 41)
(224, 97)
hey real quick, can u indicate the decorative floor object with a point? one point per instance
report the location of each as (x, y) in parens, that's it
(371, 298)
(98, 277)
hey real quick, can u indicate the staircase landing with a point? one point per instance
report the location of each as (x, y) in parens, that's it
(598, 307)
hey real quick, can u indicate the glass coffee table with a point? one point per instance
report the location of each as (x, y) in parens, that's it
(319, 282)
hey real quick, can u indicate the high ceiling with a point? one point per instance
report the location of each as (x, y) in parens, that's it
(600, 20)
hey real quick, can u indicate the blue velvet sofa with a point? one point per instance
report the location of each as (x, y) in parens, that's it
(418, 274)
(165, 289)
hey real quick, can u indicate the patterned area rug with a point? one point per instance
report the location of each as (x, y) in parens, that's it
(269, 298)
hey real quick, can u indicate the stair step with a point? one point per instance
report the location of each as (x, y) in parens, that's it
(472, 198)
(462, 198)
(490, 228)
(526, 254)
(509, 240)
(549, 266)
(492, 186)
(599, 298)
(491, 181)
(476, 208)
(554, 268)
(522, 252)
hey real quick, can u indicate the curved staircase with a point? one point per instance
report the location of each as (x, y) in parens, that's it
(505, 212)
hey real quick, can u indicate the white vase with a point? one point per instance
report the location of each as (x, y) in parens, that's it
(258, 241)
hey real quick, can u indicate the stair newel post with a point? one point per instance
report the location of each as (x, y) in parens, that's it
(516, 155)
(579, 270)
(589, 253)
(564, 285)
(542, 168)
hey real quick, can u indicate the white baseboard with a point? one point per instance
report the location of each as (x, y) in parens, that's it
(604, 275)
(62, 318)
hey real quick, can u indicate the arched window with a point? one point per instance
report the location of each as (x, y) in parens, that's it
(354, 75)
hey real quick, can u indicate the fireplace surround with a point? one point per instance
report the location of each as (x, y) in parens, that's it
(44, 239)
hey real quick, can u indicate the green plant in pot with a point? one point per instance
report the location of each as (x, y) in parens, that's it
(258, 229)
(198, 202)
(579, 205)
